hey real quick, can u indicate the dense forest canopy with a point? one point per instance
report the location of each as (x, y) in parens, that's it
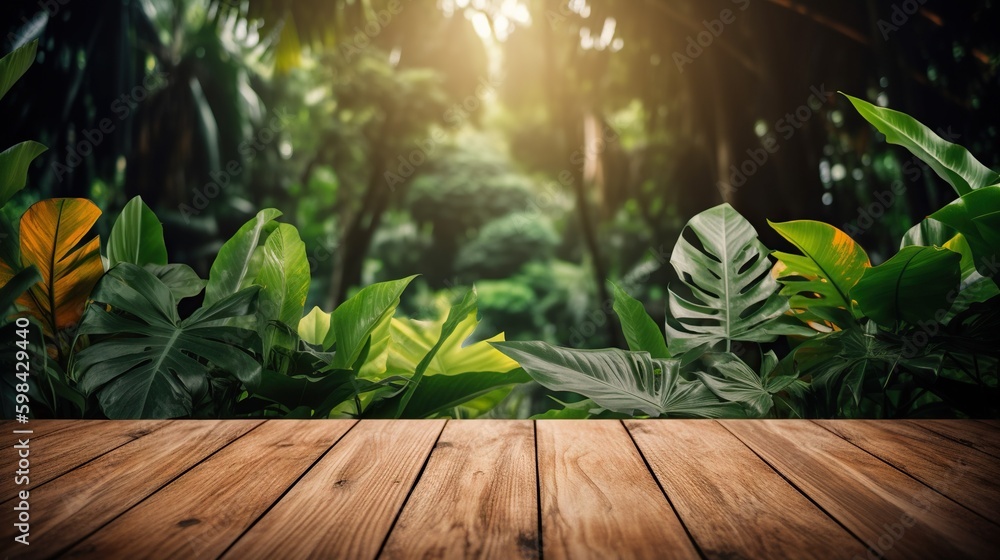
(534, 148)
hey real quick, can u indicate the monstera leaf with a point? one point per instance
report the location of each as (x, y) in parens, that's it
(818, 282)
(52, 233)
(619, 381)
(951, 162)
(155, 364)
(734, 295)
(916, 284)
(137, 237)
(641, 332)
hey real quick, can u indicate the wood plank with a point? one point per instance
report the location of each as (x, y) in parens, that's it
(346, 504)
(967, 476)
(44, 427)
(976, 435)
(73, 444)
(733, 504)
(74, 505)
(895, 515)
(203, 512)
(598, 498)
(477, 498)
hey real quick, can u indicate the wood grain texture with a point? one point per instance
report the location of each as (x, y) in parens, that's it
(43, 428)
(70, 445)
(477, 498)
(895, 515)
(346, 504)
(598, 499)
(971, 478)
(72, 506)
(204, 511)
(976, 435)
(733, 504)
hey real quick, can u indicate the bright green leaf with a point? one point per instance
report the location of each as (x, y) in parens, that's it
(951, 162)
(818, 282)
(238, 261)
(640, 330)
(137, 237)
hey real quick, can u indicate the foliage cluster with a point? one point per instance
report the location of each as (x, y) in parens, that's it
(914, 336)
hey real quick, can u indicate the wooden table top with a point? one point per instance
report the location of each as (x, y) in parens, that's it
(277, 489)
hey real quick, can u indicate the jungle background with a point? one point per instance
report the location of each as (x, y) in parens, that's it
(533, 148)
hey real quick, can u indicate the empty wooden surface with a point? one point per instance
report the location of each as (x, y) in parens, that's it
(507, 489)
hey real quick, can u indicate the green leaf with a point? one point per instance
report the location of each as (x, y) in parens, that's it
(16, 286)
(14, 163)
(352, 323)
(315, 326)
(458, 313)
(735, 297)
(284, 280)
(818, 282)
(570, 411)
(975, 287)
(305, 391)
(640, 330)
(438, 393)
(951, 162)
(733, 380)
(153, 364)
(181, 279)
(618, 380)
(928, 233)
(137, 237)
(15, 64)
(413, 339)
(977, 217)
(913, 285)
(236, 266)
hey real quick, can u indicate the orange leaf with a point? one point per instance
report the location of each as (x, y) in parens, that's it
(52, 233)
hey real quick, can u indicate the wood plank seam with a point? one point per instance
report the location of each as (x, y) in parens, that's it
(142, 433)
(663, 491)
(409, 493)
(927, 487)
(286, 491)
(795, 486)
(928, 427)
(70, 546)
